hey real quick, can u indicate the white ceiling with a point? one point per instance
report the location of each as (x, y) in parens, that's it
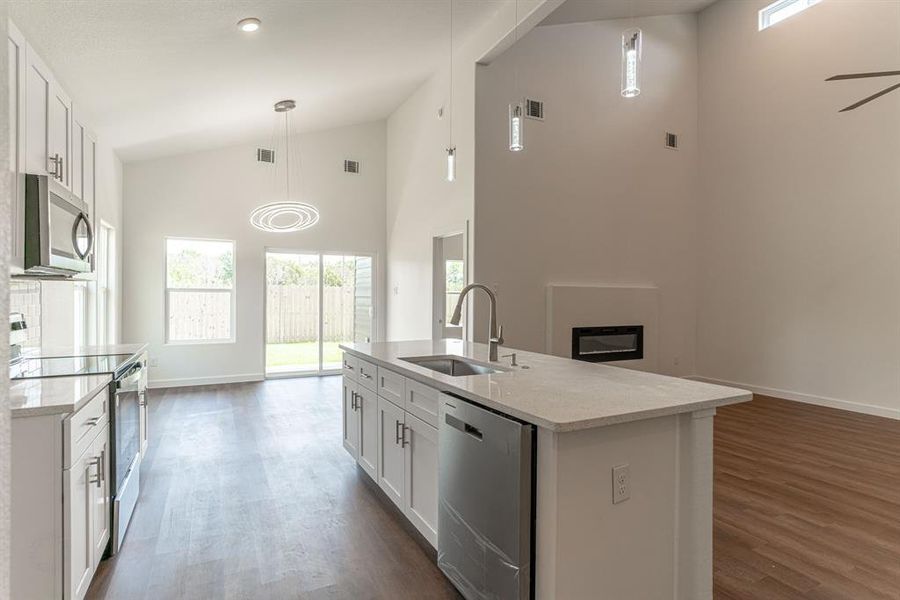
(579, 11)
(163, 77)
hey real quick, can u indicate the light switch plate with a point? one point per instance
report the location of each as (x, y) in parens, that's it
(621, 476)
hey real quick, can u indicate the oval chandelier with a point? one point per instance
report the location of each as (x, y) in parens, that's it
(282, 217)
(287, 215)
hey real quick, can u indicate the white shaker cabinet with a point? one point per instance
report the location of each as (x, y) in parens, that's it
(367, 417)
(60, 498)
(350, 417)
(86, 518)
(16, 49)
(389, 429)
(391, 470)
(420, 493)
(48, 122)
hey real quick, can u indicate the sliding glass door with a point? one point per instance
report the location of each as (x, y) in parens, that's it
(314, 302)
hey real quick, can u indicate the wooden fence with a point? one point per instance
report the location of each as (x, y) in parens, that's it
(292, 314)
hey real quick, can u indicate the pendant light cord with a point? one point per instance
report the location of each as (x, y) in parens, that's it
(287, 156)
(450, 111)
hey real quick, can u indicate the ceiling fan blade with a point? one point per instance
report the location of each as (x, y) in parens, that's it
(863, 75)
(872, 97)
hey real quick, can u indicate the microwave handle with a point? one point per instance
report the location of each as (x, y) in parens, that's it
(90, 231)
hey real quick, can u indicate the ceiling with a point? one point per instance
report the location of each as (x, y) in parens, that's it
(161, 77)
(579, 11)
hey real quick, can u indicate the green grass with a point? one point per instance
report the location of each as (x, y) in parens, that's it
(304, 355)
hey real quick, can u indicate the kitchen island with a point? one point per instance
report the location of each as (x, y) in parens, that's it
(654, 541)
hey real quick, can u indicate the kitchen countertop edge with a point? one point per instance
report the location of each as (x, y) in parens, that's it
(737, 397)
(63, 408)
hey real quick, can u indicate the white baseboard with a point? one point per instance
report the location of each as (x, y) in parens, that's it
(191, 381)
(858, 407)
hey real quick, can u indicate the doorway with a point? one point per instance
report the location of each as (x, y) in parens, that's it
(315, 302)
(449, 278)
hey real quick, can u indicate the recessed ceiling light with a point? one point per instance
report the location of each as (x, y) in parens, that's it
(249, 24)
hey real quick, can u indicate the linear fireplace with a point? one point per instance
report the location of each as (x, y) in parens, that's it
(604, 344)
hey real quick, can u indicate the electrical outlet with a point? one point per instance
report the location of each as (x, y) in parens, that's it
(621, 476)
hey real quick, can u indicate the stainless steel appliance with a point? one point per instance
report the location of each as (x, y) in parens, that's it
(59, 237)
(128, 406)
(130, 391)
(486, 501)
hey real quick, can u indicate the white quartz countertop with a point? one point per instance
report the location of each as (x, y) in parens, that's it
(54, 395)
(59, 351)
(559, 394)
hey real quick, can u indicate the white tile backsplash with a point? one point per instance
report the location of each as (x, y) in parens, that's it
(25, 297)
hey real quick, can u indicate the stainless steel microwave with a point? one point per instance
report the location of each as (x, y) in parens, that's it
(59, 237)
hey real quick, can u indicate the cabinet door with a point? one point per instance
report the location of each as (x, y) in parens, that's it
(89, 175)
(420, 441)
(37, 106)
(77, 525)
(390, 452)
(78, 143)
(100, 496)
(59, 132)
(367, 411)
(17, 73)
(350, 418)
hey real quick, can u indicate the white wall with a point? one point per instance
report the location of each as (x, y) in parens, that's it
(595, 198)
(420, 202)
(210, 195)
(800, 252)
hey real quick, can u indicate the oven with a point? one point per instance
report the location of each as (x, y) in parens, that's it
(129, 389)
(59, 238)
(608, 343)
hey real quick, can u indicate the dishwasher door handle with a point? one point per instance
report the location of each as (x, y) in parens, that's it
(464, 427)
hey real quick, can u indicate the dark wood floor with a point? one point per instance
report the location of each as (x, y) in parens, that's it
(807, 503)
(247, 493)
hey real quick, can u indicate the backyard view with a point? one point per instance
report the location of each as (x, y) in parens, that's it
(296, 284)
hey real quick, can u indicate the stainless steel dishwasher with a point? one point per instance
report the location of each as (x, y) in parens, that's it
(485, 494)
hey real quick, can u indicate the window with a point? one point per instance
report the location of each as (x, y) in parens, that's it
(106, 284)
(199, 291)
(781, 10)
(454, 282)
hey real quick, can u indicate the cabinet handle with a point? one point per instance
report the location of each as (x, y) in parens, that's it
(358, 398)
(366, 375)
(92, 421)
(56, 161)
(404, 442)
(353, 400)
(348, 365)
(396, 431)
(97, 461)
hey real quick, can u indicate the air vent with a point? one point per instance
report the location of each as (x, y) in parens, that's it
(671, 141)
(265, 155)
(351, 166)
(534, 109)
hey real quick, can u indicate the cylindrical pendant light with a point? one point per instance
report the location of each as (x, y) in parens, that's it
(631, 63)
(516, 129)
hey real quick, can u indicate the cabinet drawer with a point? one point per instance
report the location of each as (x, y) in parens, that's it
(391, 386)
(367, 374)
(422, 401)
(350, 366)
(80, 429)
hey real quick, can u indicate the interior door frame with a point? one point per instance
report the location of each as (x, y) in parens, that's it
(437, 302)
(319, 372)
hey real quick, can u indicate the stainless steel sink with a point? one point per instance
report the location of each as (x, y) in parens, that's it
(453, 365)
